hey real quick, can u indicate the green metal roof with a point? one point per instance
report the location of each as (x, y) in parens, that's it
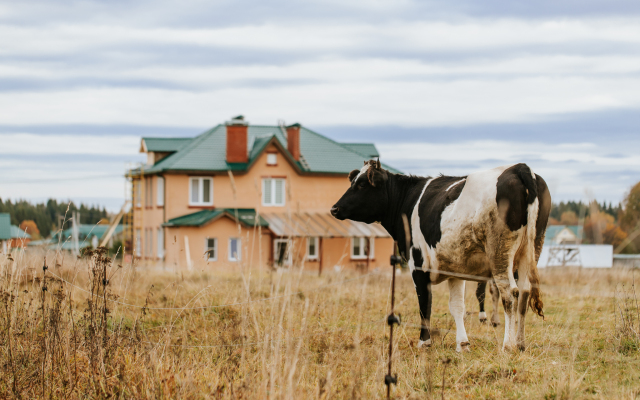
(206, 152)
(367, 150)
(17, 233)
(86, 230)
(165, 144)
(5, 226)
(246, 216)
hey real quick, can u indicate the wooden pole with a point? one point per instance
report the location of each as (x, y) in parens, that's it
(392, 319)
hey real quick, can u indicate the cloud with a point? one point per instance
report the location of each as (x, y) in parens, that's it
(459, 86)
(31, 144)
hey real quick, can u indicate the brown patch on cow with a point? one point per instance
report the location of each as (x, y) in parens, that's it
(522, 304)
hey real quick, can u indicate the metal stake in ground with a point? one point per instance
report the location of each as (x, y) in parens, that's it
(392, 319)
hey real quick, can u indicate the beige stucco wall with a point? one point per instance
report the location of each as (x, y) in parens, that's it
(306, 193)
(255, 245)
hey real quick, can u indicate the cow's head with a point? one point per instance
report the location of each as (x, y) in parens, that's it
(366, 199)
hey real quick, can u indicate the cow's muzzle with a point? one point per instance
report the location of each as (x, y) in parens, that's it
(335, 210)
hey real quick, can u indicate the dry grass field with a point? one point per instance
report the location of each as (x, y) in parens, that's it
(292, 334)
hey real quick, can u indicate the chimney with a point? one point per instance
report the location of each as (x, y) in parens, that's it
(293, 141)
(237, 130)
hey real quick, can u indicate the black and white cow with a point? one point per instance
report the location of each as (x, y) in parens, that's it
(473, 227)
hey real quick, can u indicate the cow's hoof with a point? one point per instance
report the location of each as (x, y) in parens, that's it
(483, 317)
(515, 292)
(521, 347)
(424, 343)
(508, 348)
(495, 324)
(463, 347)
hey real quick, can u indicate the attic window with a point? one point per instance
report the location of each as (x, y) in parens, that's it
(272, 158)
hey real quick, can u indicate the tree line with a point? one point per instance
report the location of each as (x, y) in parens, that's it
(48, 216)
(617, 225)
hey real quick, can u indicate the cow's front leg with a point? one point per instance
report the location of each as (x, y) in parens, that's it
(456, 307)
(481, 292)
(422, 282)
(495, 297)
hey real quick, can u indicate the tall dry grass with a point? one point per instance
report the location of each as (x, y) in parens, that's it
(129, 331)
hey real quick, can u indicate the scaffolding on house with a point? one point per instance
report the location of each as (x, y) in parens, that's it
(133, 234)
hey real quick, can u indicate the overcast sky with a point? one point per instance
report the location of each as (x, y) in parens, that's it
(439, 87)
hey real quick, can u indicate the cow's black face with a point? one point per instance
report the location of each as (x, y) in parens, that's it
(366, 199)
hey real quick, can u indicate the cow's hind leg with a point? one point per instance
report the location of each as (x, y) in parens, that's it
(481, 291)
(495, 297)
(456, 307)
(504, 279)
(422, 282)
(525, 285)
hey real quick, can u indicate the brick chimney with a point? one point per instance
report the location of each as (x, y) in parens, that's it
(293, 141)
(237, 130)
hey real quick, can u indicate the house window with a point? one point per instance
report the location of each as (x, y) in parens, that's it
(312, 248)
(138, 243)
(235, 249)
(148, 192)
(272, 159)
(160, 243)
(200, 191)
(360, 246)
(137, 192)
(273, 192)
(160, 191)
(148, 242)
(211, 249)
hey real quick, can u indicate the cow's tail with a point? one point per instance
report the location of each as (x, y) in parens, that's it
(528, 178)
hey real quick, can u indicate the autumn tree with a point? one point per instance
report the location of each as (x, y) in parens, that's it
(31, 228)
(629, 216)
(600, 228)
(569, 218)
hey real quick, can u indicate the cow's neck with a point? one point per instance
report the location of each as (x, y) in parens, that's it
(403, 192)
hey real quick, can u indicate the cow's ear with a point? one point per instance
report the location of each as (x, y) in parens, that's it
(353, 174)
(377, 177)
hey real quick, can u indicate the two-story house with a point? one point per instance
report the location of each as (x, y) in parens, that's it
(258, 195)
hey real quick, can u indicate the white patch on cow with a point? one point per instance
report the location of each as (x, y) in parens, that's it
(363, 171)
(417, 236)
(509, 331)
(453, 184)
(512, 256)
(426, 343)
(482, 316)
(456, 307)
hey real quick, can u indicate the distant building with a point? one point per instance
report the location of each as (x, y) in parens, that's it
(88, 236)
(11, 236)
(563, 247)
(563, 234)
(259, 194)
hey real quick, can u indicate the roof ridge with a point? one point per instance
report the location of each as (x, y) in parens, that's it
(177, 156)
(333, 141)
(167, 137)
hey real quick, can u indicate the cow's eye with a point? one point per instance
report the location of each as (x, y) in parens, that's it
(361, 185)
